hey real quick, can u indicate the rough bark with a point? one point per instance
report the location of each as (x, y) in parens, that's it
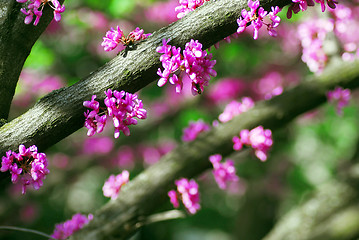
(16, 41)
(331, 214)
(144, 194)
(60, 113)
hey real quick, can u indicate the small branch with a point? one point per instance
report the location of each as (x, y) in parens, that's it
(26, 230)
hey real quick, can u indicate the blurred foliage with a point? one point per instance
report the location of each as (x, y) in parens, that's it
(305, 153)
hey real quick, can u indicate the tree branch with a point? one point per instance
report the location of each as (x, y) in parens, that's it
(142, 196)
(60, 113)
(16, 41)
(330, 214)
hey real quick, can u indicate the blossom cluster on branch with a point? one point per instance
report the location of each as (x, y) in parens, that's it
(67, 228)
(114, 37)
(29, 166)
(122, 106)
(259, 139)
(193, 61)
(35, 7)
(187, 192)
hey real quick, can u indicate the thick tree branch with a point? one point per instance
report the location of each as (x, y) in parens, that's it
(60, 113)
(331, 214)
(142, 196)
(16, 41)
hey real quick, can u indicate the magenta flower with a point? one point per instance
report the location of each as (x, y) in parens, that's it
(258, 138)
(256, 17)
(312, 35)
(113, 184)
(235, 108)
(187, 6)
(194, 129)
(122, 106)
(341, 97)
(197, 64)
(29, 166)
(187, 191)
(67, 228)
(173, 198)
(114, 37)
(223, 172)
(35, 7)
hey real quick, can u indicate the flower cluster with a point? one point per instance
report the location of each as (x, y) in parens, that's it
(66, 229)
(29, 166)
(341, 97)
(187, 191)
(35, 7)
(256, 16)
(194, 61)
(223, 172)
(301, 5)
(115, 36)
(346, 30)
(194, 129)
(122, 106)
(113, 184)
(312, 35)
(258, 138)
(235, 108)
(187, 6)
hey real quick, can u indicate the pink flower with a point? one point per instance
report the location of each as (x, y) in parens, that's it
(29, 166)
(197, 64)
(341, 97)
(113, 184)
(35, 7)
(256, 16)
(187, 191)
(223, 172)
(115, 36)
(258, 138)
(122, 106)
(235, 108)
(188, 6)
(67, 228)
(173, 198)
(194, 129)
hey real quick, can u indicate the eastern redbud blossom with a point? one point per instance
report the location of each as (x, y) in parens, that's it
(312, 35)
(113, 184)
(35, 8)
(256, 16)
(301, 5)
(258, 138)
(194, 129)
(187, 191)
(114, 37)
(223, 172)
(197, 64)
(67, 228)
(122, 106)
(29, 166)
(235, 108)
(341, 97)
(187, 6)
